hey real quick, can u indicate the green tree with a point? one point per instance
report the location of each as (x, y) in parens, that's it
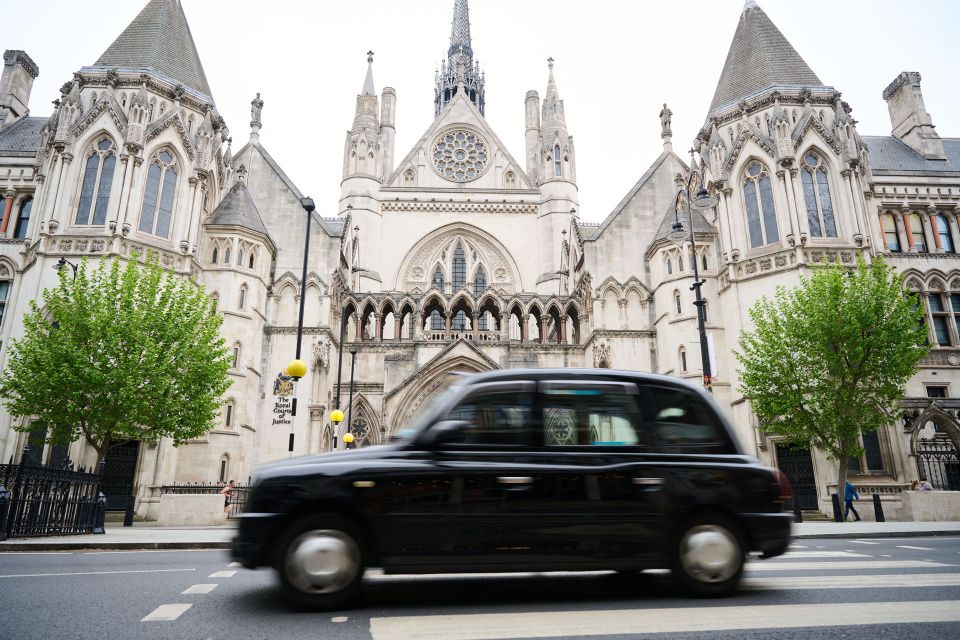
(828, 359)
(124, 351)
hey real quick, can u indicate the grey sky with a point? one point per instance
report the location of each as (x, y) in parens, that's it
(616, 63)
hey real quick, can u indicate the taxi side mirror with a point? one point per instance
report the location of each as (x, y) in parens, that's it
(444, 432)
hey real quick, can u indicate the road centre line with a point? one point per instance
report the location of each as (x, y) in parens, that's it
(904, 581)
(824, 554)
(842, 564)
(906, 546)
(166, 612)
(91, 573)
(100, 553)
(863, 542)
(36, 553)
(497, 626)
(222, 574)
(199, 588)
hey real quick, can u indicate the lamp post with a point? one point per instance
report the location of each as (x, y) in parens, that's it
(297, 367)
(353, 362)
(63, 262)
(703, 200)
(336, 417)
(343, 335)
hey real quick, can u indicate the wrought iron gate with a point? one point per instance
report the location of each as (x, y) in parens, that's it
(797, 465)
(119, 470)
(938, 460)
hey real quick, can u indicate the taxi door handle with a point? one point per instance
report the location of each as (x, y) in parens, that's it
(515, 480)
(652, 483)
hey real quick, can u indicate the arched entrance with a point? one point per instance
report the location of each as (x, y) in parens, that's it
(934, 445)
(797, 465)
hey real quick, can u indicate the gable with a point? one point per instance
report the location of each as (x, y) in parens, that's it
(460, 115)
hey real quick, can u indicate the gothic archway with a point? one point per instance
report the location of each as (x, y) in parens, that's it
(935, 445)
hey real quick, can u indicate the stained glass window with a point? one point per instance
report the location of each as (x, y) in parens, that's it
(761, 210)
(97, 181)
(158, 197)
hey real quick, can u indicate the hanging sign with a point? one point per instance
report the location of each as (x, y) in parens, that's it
(283, 399)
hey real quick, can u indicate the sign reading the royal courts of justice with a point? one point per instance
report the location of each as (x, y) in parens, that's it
(283, 399)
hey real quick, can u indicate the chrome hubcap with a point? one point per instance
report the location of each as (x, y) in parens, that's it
(322, 561)
(710, 553)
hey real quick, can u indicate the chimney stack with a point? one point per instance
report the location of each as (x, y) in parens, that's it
(16, 82)
(909, 120)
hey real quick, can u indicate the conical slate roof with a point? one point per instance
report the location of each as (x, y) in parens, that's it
(760, 57)
(238, 210)
(700, 224)
(159, 39)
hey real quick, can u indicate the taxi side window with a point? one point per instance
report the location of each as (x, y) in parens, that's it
(590, 415)
(495, 417)
(680, 422)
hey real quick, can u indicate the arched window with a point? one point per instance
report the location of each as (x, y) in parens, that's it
(224, 468)
(250, 265)
(889, 223)
(557, 167)
(943, 233)
(215, 300)
(676, 302)
(761, 212)
(940, 317)
(914, 224)
(479, 281)
(510, 180)
(226, 256)
(409, 179)
(436, 321)
(243, 297)
(240, 258)
(680, 262)
(5, 285)
(228, 417)
(235, 363)
(213, 258)
(816, 195)
(459, 268)
(97, 180)
(683, 359)
(669, 266)
(438, 278)
(703, 308)
(703, 260)
(158, 198)
(23, 218)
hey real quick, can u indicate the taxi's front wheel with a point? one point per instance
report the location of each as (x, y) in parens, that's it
(320, 562)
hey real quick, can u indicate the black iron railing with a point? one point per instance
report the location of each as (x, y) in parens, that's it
(48, 501)
(938, 460)
(237, 496)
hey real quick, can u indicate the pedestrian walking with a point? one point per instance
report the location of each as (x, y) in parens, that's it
(849, 495)
(923, 485)
(228, 492)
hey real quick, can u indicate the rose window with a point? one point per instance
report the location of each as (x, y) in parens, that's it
(460, 155)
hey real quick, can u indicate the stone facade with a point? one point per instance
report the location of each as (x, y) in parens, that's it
(458, 257)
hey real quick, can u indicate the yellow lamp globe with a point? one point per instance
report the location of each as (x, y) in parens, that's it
(297, 368)
(336, 416)
(348, 438)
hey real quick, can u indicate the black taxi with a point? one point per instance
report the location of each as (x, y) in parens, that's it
(524, 470)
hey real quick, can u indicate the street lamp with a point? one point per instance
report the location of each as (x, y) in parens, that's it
(353, 362)
(297, 367)
(702, 200)
(343, 335)
(63, 262)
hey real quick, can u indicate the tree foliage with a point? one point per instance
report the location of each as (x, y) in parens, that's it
(124, 351)
(828, 359)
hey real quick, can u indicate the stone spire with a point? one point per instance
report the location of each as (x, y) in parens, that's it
(459, 72)
(159, 40)
(368, 89)
(760, 58)
(553, 116)
(556, 142)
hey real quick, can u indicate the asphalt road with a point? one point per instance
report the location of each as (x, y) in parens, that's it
(868, 589)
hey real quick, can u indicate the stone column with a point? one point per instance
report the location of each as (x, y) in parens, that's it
(7, 208)
(786, 185)
(113, 218)
(417, 319)
(562, 330)
(544, 334)
(930, 231)
(378, 331)
(934, 230)
(398, 326)
(857, 230)
(448, 324)
(504, 325)
(474, 319)
(524, 327)
(62, 199)
(954, 228)
(803, 224)
(623, 310)
(902, 231)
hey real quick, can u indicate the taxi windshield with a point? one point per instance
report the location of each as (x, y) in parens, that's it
(420, 418)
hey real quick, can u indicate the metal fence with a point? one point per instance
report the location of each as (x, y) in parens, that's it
(938, 460)
(48, 501)
(237, 495)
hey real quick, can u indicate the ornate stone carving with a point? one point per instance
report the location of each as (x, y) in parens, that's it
(321, 352)
(460, 155)
(602, 355)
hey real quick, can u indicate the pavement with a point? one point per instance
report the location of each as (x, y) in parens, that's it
(149, 536)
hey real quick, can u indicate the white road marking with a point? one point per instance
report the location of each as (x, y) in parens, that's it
(222, 574)
(906, 546)
(37, 553)
(100, 553)
(535, 624)
(199, 588)
(797, 546)
(91, 573)
(825, 554)
(863, 542)
(234, 564)
(767, 565)
(339, 619)
(905, 581)
(885, 555)
(166, 612)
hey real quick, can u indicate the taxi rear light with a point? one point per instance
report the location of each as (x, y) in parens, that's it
(784, 489)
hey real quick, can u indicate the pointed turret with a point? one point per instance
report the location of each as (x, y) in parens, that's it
(362, 146)
(237, 209)
(557, 144)
(760, 58)
(368, 89)
(159, 40)
(459, 72)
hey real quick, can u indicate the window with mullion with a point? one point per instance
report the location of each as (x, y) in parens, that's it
(761, 209)
(943, 231)
(459, 268)
(816, 196)
(95, 187)
(4, 292)
(23, 219)
(890, 232)
(940, 318)
(159, 196)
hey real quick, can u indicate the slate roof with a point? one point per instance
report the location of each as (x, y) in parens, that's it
(588, 230)
(238, 210)
(22, 138)
(700, 224)
(760, 57)
(889, 156)
(159, 39)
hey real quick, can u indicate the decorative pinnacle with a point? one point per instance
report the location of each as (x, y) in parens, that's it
(369, 56)
(550, 62)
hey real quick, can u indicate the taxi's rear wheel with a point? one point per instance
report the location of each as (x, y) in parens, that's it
(320, 562)
(708, 556)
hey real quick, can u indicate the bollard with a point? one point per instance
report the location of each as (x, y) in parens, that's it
(878, 508)
(797, 514)
(4, 506)
(837, 511)
(101, 513)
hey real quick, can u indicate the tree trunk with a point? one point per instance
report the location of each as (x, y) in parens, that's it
(842, 481)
